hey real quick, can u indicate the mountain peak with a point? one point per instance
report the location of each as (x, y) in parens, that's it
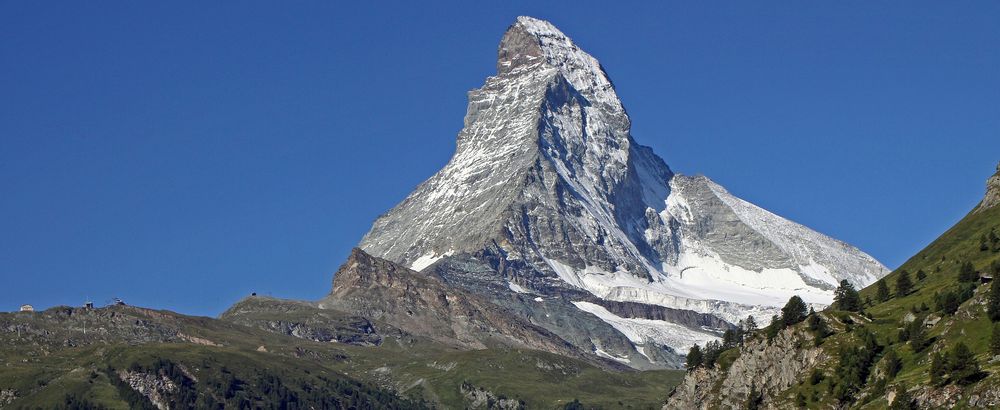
(522, 44)
(530, 44)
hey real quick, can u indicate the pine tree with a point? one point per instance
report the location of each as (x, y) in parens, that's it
(948, 302)
(772, 330)
(917, 334)
(903, 284)
(993, 301)
(962, 364)
(938, 369)
(893, 364)
(967, 273)
(881, 291)
(694, 357)
(729, 339)
(793, 312)
(921, 275)
(846, 297)
(903, 401)
(995, 340)
(711, 353)
(750, 325)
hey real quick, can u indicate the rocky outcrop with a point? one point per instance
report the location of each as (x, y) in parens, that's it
(992, 197)
(81, 326)
(304, 320)
(156, 388)
(7, 396)
(765, 367)
(480, 398)
(424, 305)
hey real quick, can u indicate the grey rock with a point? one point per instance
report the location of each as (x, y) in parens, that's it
(992, 197)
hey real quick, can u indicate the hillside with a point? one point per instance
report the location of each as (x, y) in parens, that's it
(131, 357)
(897, 343)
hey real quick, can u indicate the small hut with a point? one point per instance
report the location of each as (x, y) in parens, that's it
(27, 308)
(985, 277)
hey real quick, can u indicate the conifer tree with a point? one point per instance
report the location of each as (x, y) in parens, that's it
(893, 364)
(903, 284)
(818, 326)
(793, 312)
(729, 339)
(938, 369)
(921, 275)
(846, 297)
(903, 401)
(881, 291)
(995, 340)
(750, 325)
(993, 300)
(917, 334)
(962, 365)
(967, 273)
(694, 358)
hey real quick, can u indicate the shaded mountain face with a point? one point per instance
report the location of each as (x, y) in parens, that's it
(548, 188)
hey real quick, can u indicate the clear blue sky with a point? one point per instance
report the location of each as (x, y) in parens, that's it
(181, 155)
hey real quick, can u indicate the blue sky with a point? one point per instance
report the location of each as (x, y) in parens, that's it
(181, 155)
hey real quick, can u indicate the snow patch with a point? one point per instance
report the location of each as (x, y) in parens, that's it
(517, 288)
(428, 260)
(646, 331)
(607, 355)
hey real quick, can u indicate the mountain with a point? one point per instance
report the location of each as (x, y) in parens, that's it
(929, 345)
(548, 194)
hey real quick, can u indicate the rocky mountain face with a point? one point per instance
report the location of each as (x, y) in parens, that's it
(765, 367)
(992, 197)
(552, 197)
(425, 306)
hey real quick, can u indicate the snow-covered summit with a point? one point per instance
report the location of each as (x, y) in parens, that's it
(530, 40)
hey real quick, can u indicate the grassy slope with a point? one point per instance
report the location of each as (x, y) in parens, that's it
(426, 370)
(43, 370)
(941, 261)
